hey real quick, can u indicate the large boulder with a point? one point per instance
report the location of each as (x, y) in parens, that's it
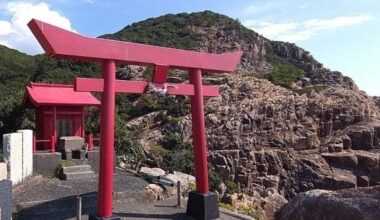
(343, 160)
(185, 179)
(358, 204)
(152, 171)
(155, 192)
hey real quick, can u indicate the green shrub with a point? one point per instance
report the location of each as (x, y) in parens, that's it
(127, 142)
(179, 154)
(157, 150)
(231, 186)
(285, 74)
(191, 186)
(215, 180)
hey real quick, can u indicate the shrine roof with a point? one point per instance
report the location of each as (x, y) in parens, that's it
(42, 94)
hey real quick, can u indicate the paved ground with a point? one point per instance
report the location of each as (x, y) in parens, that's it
(55, 199)
(164, 209)
(54, 188)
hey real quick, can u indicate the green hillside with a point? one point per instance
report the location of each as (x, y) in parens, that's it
(177, 30)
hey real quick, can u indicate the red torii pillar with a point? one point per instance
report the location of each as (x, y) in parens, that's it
(61, 43)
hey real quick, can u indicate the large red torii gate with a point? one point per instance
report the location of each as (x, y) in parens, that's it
(60, 43)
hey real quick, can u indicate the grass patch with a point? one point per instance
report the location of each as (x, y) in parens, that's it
(231, 186)
(308, 89)
(157, 150)
(226, 206)
(59, 169)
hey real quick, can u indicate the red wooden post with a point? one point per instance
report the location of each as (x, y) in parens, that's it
(83, 133)
(107, 127)
(54, 139)
(90, 141)
(52, 144)
(199, 132)
(34, 144)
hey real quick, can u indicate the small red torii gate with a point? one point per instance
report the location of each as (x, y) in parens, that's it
(60, 43)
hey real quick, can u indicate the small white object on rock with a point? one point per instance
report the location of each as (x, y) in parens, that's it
(152, 171)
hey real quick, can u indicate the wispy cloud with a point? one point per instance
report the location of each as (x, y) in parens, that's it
(77, 1)
(256, 8)
(14, 32)
(300, 31)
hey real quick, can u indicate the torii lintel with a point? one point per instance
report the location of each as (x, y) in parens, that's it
(61, 43)
(139, 87)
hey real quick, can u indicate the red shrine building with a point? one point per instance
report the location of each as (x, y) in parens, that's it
(59, 112)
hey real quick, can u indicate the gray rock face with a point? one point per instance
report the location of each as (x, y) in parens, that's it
(290, 172)
(261, 136)
(358, 204)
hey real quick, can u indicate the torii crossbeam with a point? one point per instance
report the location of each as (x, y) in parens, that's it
(60, 43)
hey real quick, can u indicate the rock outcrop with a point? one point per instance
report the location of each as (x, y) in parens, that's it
(358, 204)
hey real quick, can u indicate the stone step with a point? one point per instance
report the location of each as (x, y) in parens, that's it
(76, 168)
(78, 175)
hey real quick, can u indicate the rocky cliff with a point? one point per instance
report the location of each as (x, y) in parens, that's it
(317, 132)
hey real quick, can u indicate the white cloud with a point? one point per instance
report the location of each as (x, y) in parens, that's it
(295, 32)
(256, 8)
(15, 33)
(337, 22)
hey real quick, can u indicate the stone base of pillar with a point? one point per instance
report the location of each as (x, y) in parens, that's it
(202, 206)
(113, 217)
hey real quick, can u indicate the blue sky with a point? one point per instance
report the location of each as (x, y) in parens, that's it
(342, 34)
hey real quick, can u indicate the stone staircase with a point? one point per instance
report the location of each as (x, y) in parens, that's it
(77, 172)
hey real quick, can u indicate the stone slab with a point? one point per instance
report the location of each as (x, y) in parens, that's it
(12, 147)
(3, 171)
(67, 155)
(78, 175)
(5, 199)
(71, 143)
(46, 164)
(27, 153)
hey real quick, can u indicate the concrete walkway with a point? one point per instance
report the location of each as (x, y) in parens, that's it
(55, 199)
